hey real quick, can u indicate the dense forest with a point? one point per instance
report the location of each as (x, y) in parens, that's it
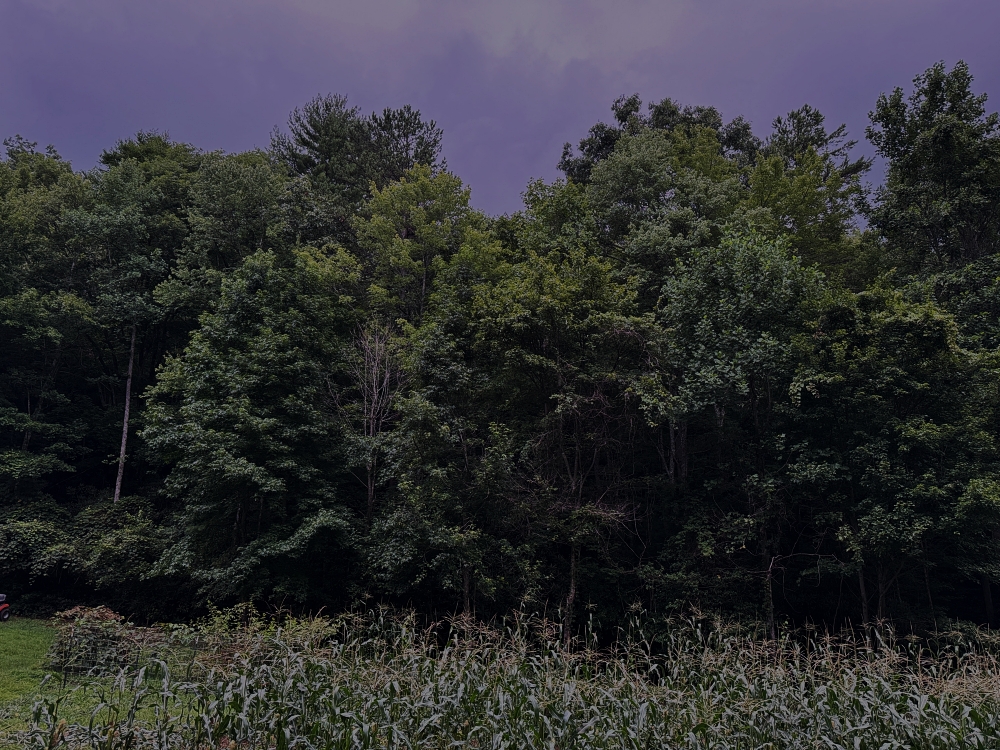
(704, 369)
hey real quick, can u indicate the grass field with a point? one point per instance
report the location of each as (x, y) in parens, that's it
(23, 646)
(370, 683)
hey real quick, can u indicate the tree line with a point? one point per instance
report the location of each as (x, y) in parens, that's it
(704, 369)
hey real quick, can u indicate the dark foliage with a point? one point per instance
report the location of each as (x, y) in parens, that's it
(683, 376)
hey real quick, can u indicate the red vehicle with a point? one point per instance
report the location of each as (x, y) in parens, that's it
(4, 608)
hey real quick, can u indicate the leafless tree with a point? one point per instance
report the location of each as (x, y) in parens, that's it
(377, 377)
(128, 404)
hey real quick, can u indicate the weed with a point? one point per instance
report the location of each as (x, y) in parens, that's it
(381, 682)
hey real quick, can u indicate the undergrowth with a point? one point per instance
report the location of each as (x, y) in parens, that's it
(382, 682)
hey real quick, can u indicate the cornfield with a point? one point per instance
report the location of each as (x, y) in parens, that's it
(382, 682)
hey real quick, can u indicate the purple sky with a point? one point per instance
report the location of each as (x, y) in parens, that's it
(508, 80)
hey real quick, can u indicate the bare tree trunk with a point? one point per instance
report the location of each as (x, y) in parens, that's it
(930, 599)
(672, 460)
(772, 625)
(574, 557)
(882, 587)
(41, 397)
(27, 430)
(371, 492)
(682, 455)
(467, 588)
(676, 462)
(128, 403)
(988, 590)
(378, 378)
(720, 418)
(988, 599)
(865, 619)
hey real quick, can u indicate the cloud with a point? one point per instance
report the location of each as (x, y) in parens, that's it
(508, 80)
(609, 33)
(564, 31)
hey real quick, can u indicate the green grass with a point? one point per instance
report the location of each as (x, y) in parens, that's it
(23, 646)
